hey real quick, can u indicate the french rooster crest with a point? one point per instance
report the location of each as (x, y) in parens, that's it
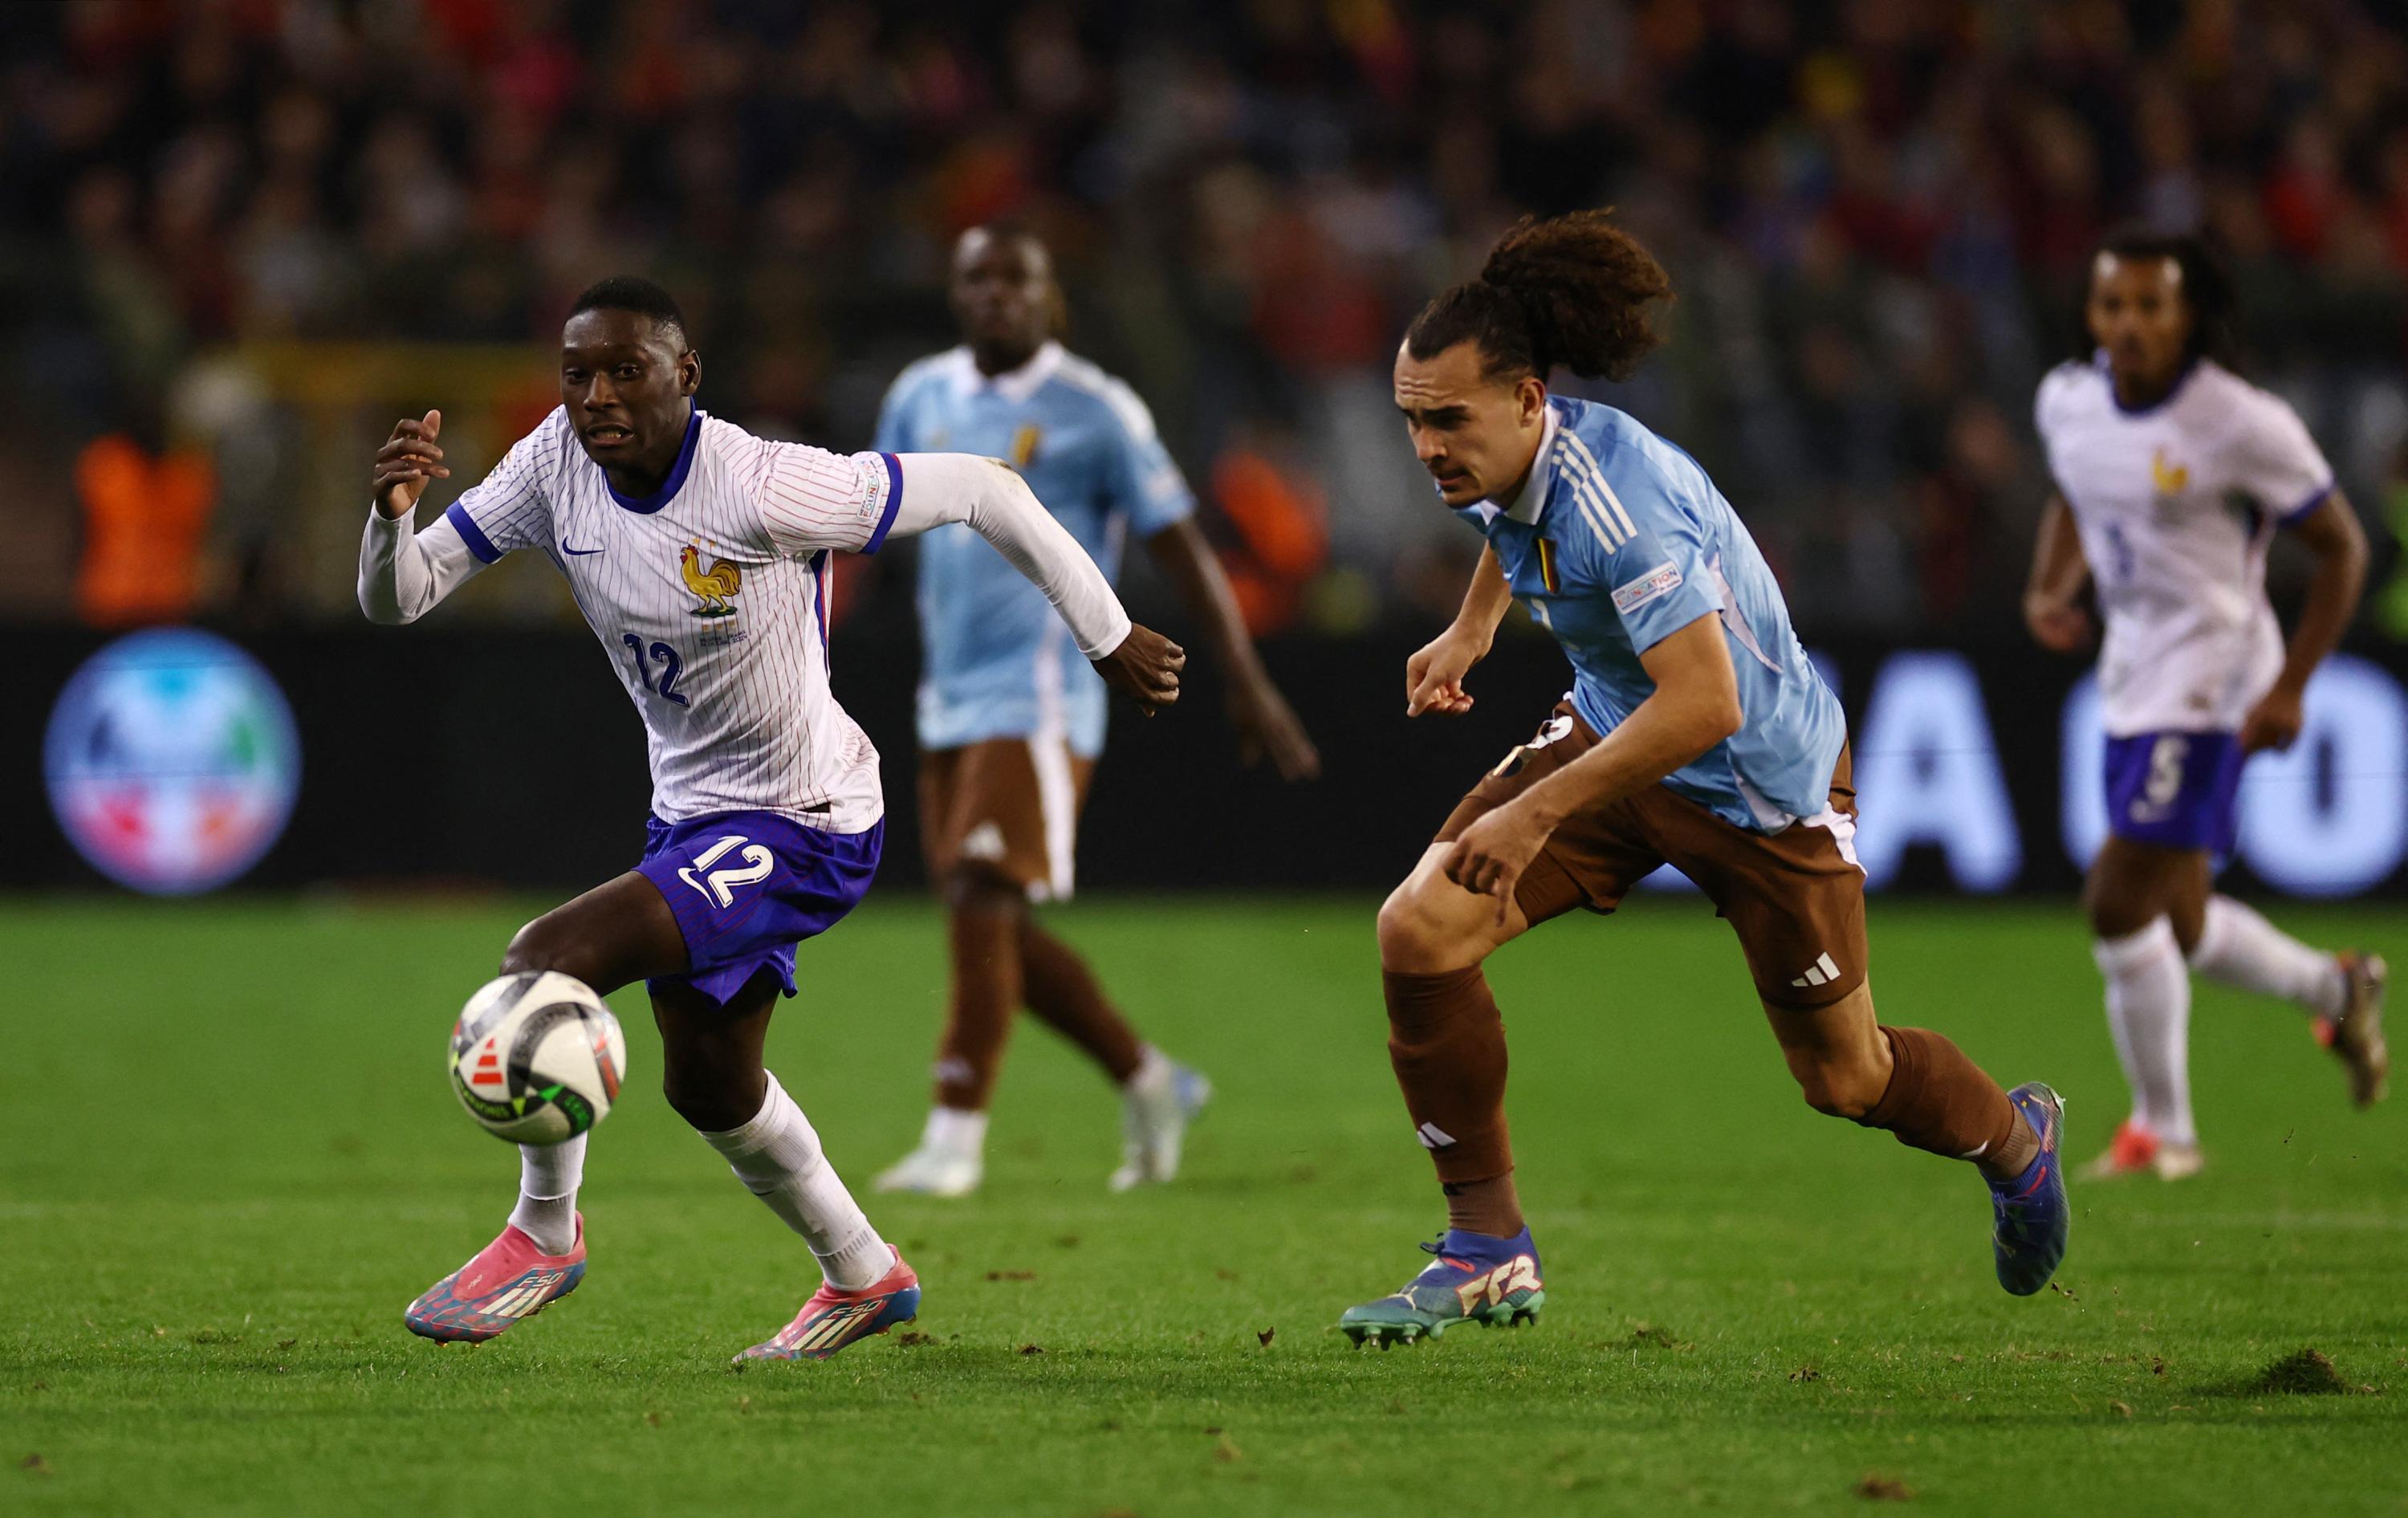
(714, 586)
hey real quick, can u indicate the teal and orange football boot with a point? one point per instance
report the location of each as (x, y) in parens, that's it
(2028, 1240)
(1476, 1279)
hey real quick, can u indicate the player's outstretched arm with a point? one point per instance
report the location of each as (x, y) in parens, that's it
(2053, 594)
(2331, 532)
(998, 505)
(404, 572)
(1267, 726)
(1434, 675)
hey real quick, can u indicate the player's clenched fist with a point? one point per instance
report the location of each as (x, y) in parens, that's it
(1489, 858)
(407, 462)
(1145, 668)
(2057, 622)
(2275, 722)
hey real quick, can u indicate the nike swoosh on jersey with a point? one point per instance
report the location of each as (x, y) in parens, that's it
(565, 549)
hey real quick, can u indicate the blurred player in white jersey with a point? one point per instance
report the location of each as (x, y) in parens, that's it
(2173, 476)
(1012, 720)
(698, 553)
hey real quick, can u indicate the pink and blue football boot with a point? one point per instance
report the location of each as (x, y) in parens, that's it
(833, 1318)
(2028, 1241)
(1475, 1278)
(509, 1279)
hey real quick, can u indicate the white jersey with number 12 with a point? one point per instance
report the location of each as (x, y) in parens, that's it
(710, 598)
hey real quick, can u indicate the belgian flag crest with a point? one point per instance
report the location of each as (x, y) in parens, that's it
(1547, 574)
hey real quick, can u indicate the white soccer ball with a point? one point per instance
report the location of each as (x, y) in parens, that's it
(536, 1057)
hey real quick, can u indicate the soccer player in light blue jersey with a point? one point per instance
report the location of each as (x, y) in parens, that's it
(1011, 719)
(1696, 733)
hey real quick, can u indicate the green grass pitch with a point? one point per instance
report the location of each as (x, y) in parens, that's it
(228, 1159)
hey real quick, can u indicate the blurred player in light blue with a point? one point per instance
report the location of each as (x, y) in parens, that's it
(1011, 718)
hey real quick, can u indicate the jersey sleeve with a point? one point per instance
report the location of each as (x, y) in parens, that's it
(2049, 406)
(2276, 462)
(812, 499)
(1140, 478)
(1638, 548)
(2050, 399)
(511, 507)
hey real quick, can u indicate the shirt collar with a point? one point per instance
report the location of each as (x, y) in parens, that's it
(2106, 372)
(1526, 506)
(677, 471)
(1014, 385)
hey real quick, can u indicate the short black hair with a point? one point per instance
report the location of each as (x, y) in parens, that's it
(633, 293)
(2206, 288)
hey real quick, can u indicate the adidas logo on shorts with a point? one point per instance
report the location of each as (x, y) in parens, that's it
(1821, 972)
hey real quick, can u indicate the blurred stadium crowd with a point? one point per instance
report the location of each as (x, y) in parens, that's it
(1878, 212)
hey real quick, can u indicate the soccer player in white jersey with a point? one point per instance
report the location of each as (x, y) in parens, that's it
(698, 553)
(1011, 719)
(2173, 476)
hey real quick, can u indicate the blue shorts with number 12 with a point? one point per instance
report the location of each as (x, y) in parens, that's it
(747, 887)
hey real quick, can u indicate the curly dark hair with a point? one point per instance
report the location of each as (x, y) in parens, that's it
(2206, 289)
(1573, 290)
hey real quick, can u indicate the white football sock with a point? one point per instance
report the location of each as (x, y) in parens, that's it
(2239, 948)
(778, 1158)
(549, 1175)
(954, 1130)
(1153, 1073)
(2148, 1006)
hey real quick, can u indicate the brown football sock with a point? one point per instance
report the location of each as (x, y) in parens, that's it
(986, 989)
(1447, 1043)
(1062, 991)
(1941, 1101)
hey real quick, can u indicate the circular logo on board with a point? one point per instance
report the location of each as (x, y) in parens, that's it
(172, 761)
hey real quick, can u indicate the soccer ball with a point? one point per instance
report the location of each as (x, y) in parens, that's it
(536, 1057)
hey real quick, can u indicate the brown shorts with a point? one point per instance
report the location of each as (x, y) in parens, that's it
(1795, 898)
(1010, 805)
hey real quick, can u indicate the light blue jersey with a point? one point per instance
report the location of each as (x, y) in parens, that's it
(1619, 541)
(998, 663)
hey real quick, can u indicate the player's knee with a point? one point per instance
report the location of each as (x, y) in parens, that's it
(1416, 933)
(548, 943)
(972, 887)
(2109, 908)
(708, 1102)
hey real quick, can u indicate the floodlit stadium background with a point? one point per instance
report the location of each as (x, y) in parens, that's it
(237, 238)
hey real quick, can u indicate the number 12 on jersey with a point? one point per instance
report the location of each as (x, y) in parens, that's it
(662, 655)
